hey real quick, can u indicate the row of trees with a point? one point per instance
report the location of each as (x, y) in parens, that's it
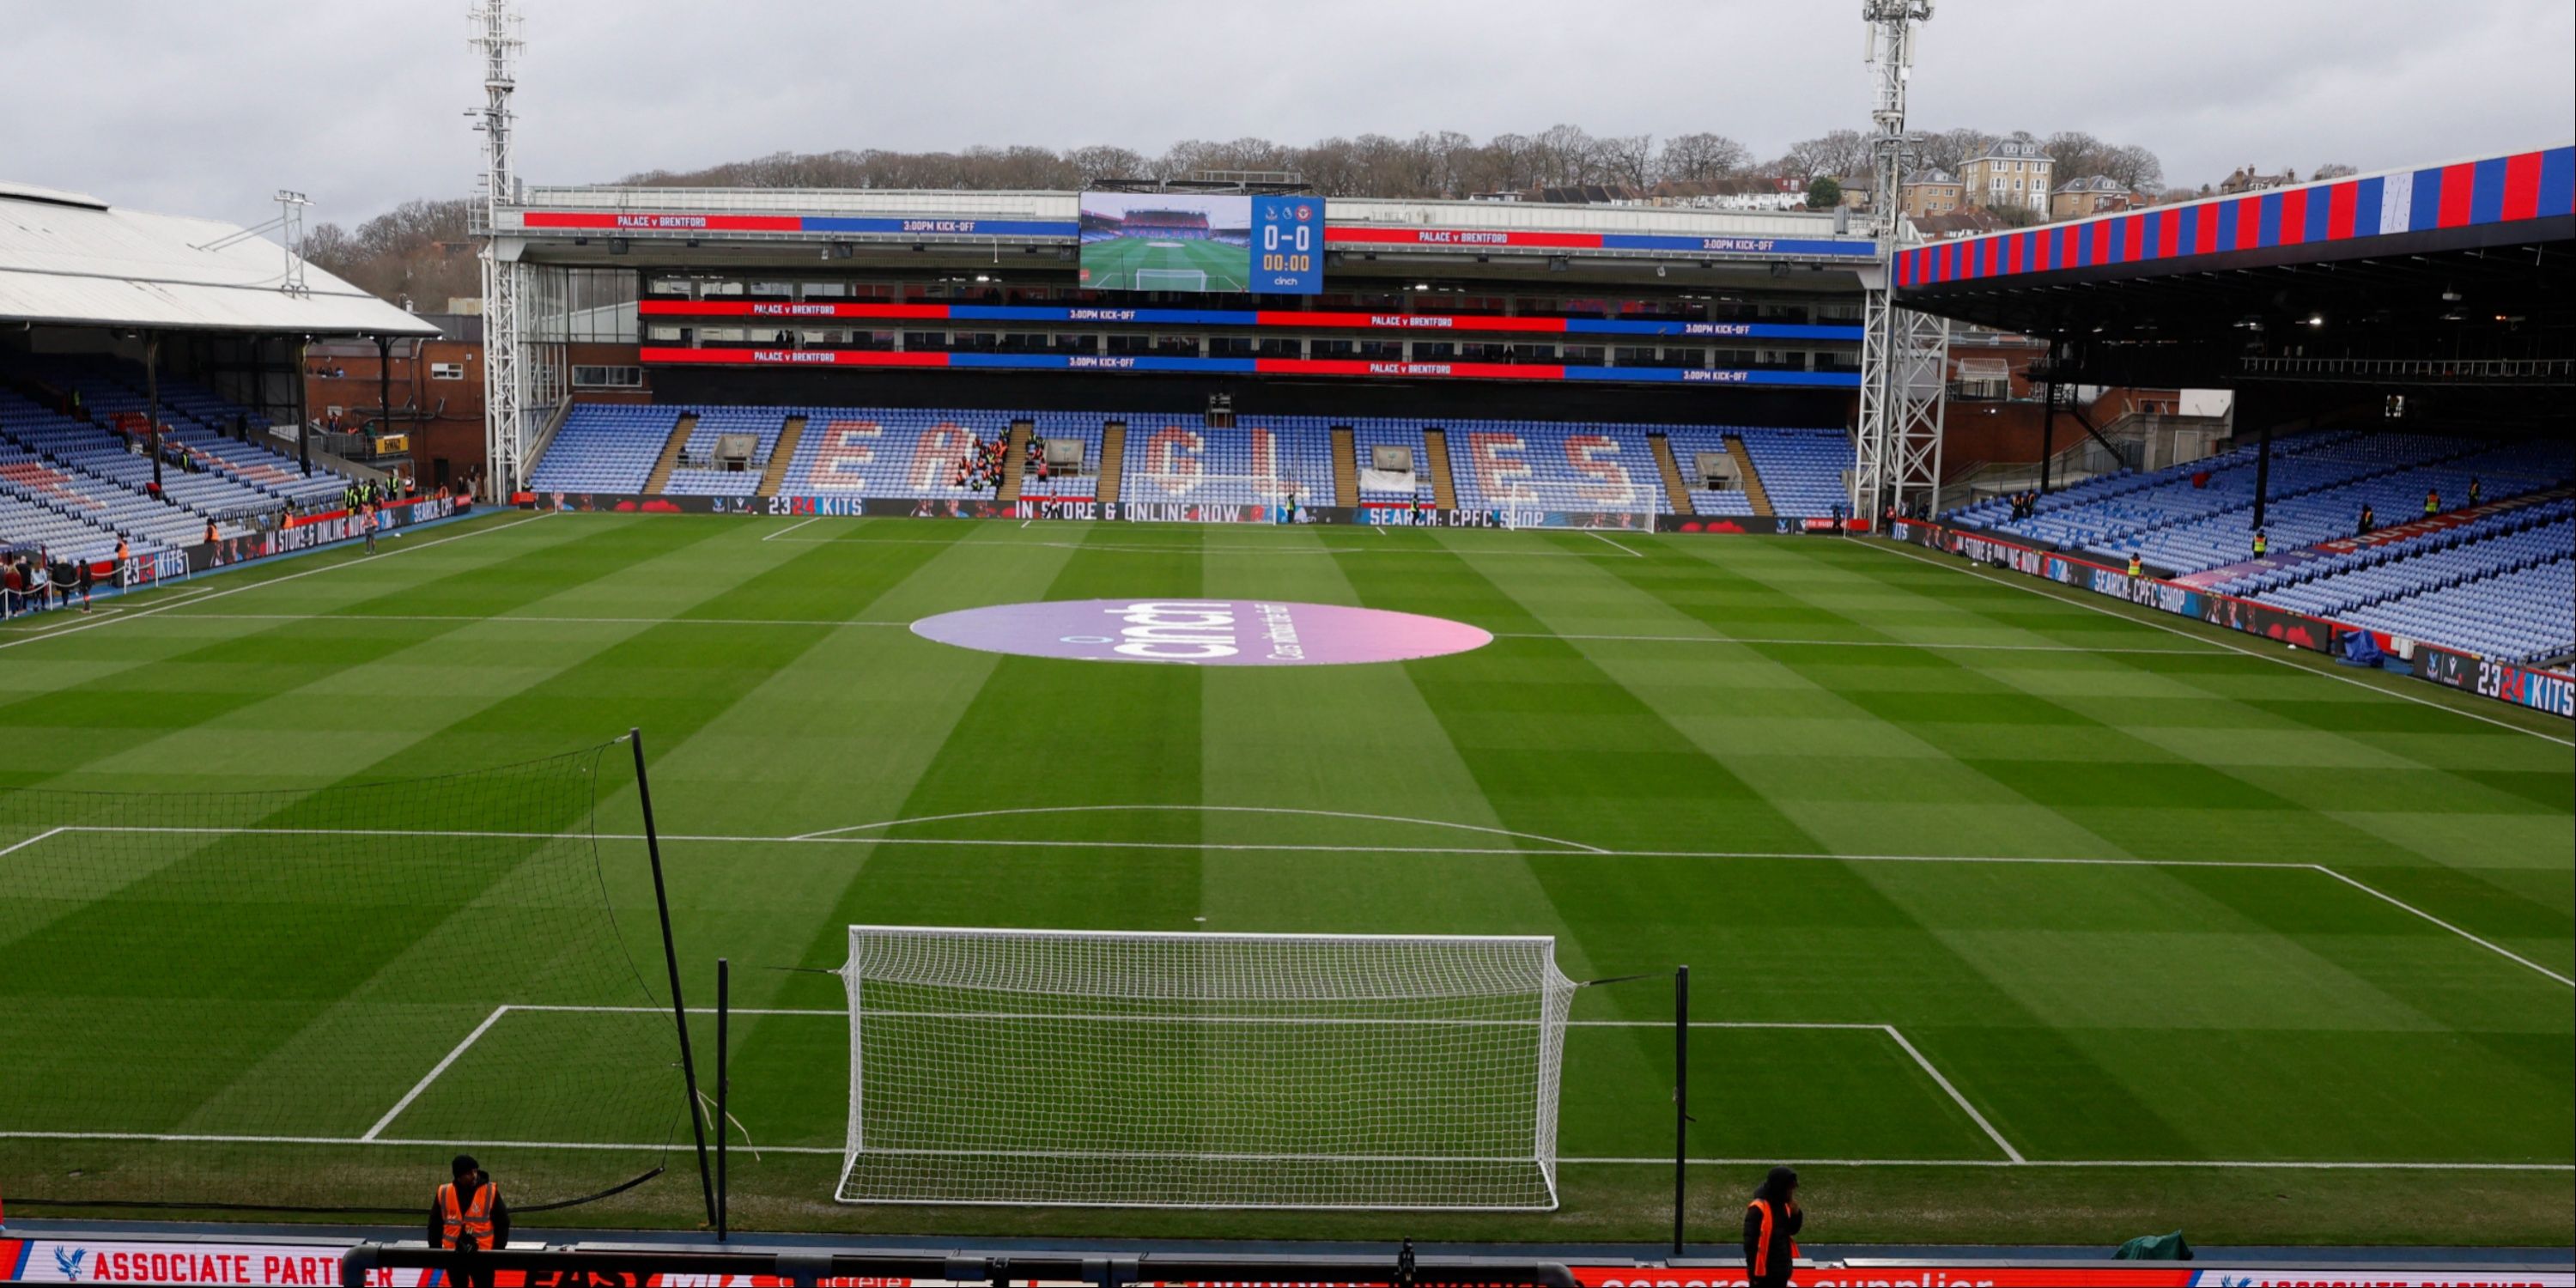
(412, 252)
(1431, 164)
(416, 253)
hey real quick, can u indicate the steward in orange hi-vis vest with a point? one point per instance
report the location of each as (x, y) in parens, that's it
(467, 1214)
(1771, 1223)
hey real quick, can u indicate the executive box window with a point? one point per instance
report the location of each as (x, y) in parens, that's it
(588, 377)
(1245, 346)
(1366, 350)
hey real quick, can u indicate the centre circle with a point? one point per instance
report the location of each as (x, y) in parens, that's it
(1202, 632)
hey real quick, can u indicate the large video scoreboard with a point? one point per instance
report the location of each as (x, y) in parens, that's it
(1217, 244)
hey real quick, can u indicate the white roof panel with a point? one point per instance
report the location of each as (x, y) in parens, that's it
(63, 260)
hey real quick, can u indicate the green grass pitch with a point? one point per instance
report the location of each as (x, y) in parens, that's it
(2013, 915)
(1113, 265)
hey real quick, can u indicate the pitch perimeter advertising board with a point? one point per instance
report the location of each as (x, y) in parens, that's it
(315, 1263)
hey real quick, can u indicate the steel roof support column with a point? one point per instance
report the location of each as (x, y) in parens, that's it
(496, 34)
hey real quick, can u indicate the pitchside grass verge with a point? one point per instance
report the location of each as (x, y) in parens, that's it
(2012, 916)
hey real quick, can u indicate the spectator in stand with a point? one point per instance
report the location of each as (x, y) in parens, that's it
(2366, 523)
(2474, 489)
(2262, 544)
(2432, 502)
(211, 535)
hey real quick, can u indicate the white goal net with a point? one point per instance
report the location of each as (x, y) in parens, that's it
(1203, 1070)
(1525, 503)
(1171, 279)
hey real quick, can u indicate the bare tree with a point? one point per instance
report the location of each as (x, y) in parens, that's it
(2333, 170)
(1628, 158)
(1563, 155)
(2135, 167)
(1838, 153)
(1952, 149)
(329, 247)
(1697, 158)
(1102, 162)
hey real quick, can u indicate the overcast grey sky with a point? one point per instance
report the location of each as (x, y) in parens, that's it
(206, 108)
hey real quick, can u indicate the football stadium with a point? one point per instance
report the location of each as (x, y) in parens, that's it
(1202, 730)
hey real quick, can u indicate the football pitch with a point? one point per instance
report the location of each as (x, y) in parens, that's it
(2013, 914)
(1151, 264)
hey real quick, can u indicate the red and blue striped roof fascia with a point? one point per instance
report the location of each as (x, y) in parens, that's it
(2525, 185)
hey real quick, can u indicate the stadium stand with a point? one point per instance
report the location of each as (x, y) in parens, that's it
(1369, 434)
(1261, 460)
(605, 448)
(75, 481)
(195, 421)
(1688, 441)
(2496, 585)
(892, 452)
(699, 475)
(1804, 470)
(1061, 427)
(2307, 585)
(1506, 464)
(1178, 458)
(2524, 614)
(2200, 514)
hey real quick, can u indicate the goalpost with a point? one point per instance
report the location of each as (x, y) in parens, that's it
(1530, 503)
(1171, 279)
(1145, 1069)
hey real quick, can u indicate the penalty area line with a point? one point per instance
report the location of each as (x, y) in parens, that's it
(2412, 1165)
(432, 1075)
(1580, 851)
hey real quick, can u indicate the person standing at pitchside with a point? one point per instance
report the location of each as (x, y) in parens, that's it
(1771, 1223)
(467, 1214)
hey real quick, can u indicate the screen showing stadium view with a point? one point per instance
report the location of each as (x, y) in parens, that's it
(1162, 241)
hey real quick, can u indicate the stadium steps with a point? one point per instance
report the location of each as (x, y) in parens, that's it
(1752, 477)
(1673, 485)
(1444, 489)
(1015, 462)
(661, 475)
(1346, 467)
(782, 455)
(1113, 460)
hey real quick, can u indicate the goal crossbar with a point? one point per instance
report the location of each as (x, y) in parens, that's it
(1203, 1069)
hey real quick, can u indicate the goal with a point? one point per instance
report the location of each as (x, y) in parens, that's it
(1530, 503)
(1100, 1068)
(1171, 279)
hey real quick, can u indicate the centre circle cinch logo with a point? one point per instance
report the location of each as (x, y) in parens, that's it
(1202, 632)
